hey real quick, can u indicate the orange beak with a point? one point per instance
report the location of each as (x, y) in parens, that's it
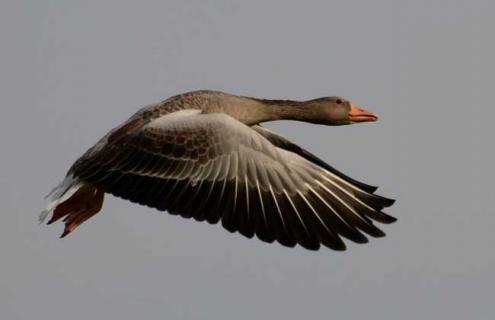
(357, 114)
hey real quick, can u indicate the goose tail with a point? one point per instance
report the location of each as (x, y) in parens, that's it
(74, 200)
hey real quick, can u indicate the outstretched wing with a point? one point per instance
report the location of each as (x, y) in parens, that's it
(285, 144)
(212, 167)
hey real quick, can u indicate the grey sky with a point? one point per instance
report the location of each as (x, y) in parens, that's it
(70, 71)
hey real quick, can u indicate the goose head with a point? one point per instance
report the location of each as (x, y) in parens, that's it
(340, 111)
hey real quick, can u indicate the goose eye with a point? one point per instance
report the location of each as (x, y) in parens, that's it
(339, 101)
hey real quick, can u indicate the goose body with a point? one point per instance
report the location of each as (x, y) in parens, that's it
(204, 155)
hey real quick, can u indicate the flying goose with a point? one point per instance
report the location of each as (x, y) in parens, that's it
(204, 155)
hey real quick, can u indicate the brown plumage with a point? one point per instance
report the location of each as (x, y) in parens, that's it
(203, 155)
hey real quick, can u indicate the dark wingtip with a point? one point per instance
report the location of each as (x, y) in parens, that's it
(373, 189)
(335, 244)
(388, 202)
(378, 202)
(357, 237)
(367, 187)
(310, 246)
(339, 247)
(385, 218)
(375, 232)
(383, 201)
